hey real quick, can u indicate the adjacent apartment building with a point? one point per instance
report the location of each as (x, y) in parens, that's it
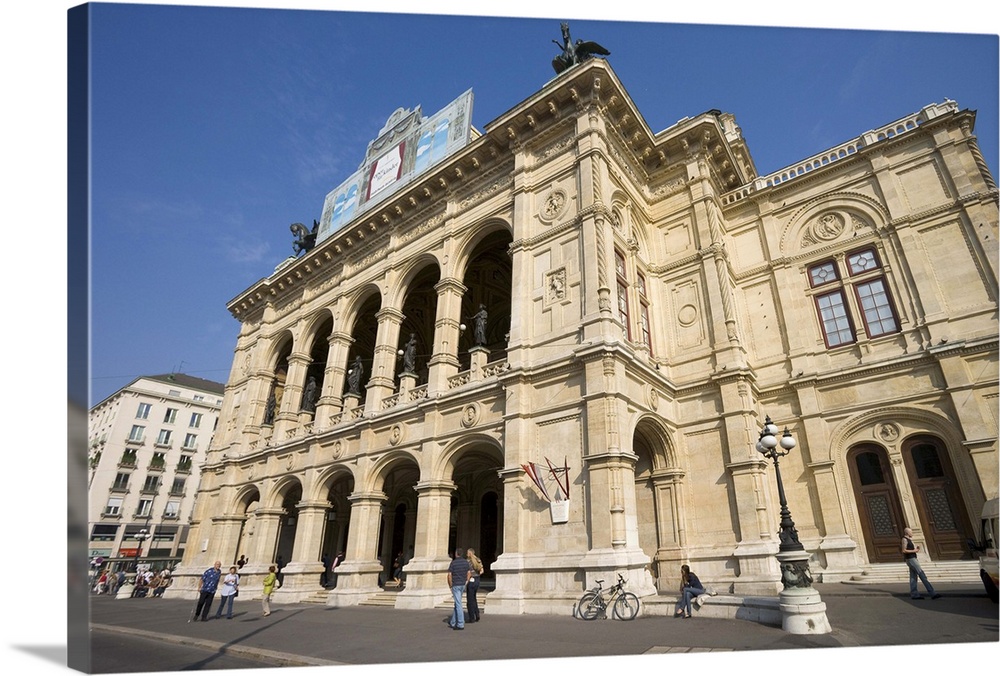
(556, 340)
(147, 443)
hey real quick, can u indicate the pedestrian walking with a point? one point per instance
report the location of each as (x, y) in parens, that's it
(270, 580)
(324, 577)
(691, 587)
(459, 574)
(207, 586)
(910, 552)
(230, 588)
(476, 568)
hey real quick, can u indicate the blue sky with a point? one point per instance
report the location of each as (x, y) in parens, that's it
(215, 128)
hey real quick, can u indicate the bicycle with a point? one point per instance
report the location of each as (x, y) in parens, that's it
(594, 603)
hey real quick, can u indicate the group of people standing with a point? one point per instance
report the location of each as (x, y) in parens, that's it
(147, 584)
(463, 574)
(227, 585)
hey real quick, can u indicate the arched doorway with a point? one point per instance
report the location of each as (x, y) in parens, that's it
(942, 513)
(878, 502)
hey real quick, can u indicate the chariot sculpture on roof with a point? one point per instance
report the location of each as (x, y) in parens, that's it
(305, 239)
(574, 53)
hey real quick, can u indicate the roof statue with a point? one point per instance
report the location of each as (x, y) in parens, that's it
(305, 239)
(574, 53)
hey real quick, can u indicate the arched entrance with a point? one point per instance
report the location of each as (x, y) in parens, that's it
(878, 502)
(476, 509)
(938, 500)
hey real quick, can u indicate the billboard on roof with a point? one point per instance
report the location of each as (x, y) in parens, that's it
(407, 146)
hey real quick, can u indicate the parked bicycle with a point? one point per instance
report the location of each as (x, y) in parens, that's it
(594, 603)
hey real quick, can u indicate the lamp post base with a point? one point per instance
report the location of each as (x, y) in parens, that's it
(803, 613)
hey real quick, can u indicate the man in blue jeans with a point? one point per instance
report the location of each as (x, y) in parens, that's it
(207, 586)
(459, 574)
(910, 556)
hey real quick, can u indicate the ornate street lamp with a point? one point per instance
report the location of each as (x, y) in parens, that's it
(802, 610)
(768, 447)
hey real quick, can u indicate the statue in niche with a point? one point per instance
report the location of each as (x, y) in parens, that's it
(410, 354)
(479, 334)
(272, 403)
(572, 54)
(309, 396)
(305, 239)
(354, 376)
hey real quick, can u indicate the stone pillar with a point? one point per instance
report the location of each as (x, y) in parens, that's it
(330, 401)
(265, 537)
(426, 581)
(478, 358)
(444, 361)
(380, 385)
(839, 550)
(258, 390)
(226, 537)
(288, 417)
(357, 576)
(303, 571)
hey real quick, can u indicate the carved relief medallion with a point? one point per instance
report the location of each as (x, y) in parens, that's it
(652, 398)
(553, 206)
(396, 434)
(887, 432)
(470, 416)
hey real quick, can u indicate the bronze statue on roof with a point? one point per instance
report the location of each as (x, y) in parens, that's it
(574, 53)
(305, 239)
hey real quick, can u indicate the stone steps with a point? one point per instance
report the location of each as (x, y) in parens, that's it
(958, 572)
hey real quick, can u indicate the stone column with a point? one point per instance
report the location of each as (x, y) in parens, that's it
(380, 385)
(303, 571)
(426, 581)
(444, 361)
(357, 576)
(329, 401)
(288, 417)
(265, 537)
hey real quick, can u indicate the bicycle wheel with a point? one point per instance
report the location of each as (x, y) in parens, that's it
(626, 606)
(590, 605)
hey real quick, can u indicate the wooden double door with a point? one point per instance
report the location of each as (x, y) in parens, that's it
(937, 499)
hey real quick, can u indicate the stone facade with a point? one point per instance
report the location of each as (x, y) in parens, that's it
(649, 299)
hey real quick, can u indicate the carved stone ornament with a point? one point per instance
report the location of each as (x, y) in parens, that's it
(338, 449)
(824, 228)
(887, 432)
(555, 285)
(246, 365)
(652, 398)
(553, 206)
(396, 434)
(687, 315)
(470, 416)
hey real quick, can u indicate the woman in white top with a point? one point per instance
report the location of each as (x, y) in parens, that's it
(230, 585)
